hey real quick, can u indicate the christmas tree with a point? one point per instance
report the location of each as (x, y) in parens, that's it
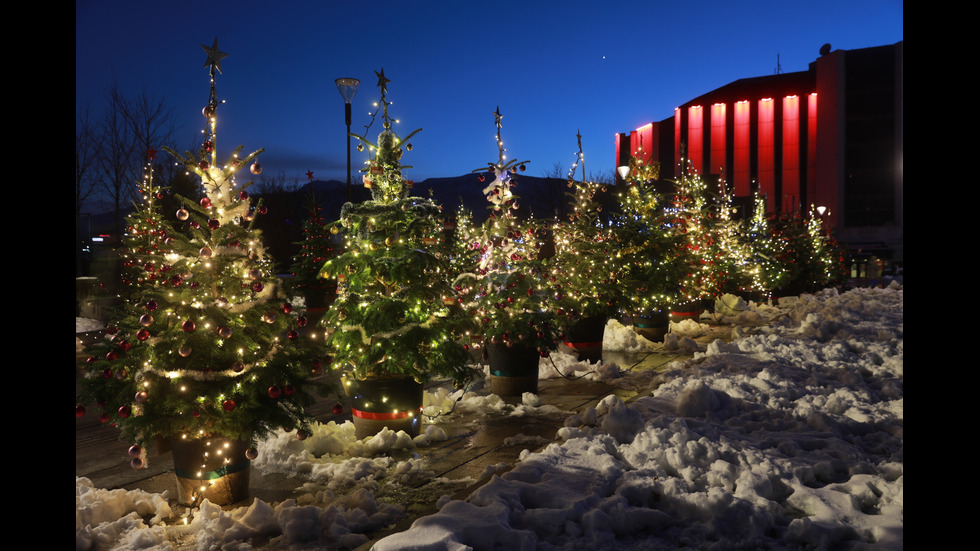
(207, 347)
(315, 249)
(394, 316)
(583, 273)
(646, 244)
(506, 289)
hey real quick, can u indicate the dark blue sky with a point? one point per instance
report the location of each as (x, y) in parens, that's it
(553, 68)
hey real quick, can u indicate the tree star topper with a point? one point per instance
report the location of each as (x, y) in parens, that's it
(382, 81)
(214, 56)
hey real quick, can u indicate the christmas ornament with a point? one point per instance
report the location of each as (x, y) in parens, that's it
(135, 450)
(269, 317)
(80, 411)
(215, 56)
(188, 326)
(256, 168)
(146, 320)
(289, 390)
(251, 453)
(205, 202)
(142, 334)
(182, 214)
(301, 434)
(214, 224)
(124, 411)
(228, 405)
(274, 392)
(184, 351)
(141, 397)
(136, 463)
(224, 332)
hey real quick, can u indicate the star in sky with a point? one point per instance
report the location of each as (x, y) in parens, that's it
(214, 55)
(497, 116)
(309, 174)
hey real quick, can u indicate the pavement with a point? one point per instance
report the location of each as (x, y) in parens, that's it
(475, 442)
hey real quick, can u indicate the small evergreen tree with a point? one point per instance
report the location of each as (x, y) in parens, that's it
(394, 315)
(206, 345)
(506, 290)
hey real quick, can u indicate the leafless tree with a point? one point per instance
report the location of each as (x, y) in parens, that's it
(130, 128)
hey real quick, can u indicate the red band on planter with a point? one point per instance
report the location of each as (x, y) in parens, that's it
(375, 416)
(583, 344)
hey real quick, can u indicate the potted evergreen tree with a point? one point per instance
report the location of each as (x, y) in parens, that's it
(506, 290)
(584, 273)
(206, 357)
(394, 324)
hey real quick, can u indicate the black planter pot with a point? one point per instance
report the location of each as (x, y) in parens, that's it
(214, 468)
(652, 325)
(513, 369)
(585, 337)
(394, 403)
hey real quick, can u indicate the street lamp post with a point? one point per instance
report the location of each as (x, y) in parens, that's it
(347, 88)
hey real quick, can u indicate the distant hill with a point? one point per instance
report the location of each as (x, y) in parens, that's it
(537, 196)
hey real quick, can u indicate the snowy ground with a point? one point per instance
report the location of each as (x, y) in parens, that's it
(788, 437)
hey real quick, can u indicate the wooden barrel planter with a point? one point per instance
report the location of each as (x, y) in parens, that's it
(213, 468)
(652, 325)
(513, 369)
(690, 309)
(585, 337)
(394, 403)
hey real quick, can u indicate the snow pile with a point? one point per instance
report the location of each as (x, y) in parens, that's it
(788, 438)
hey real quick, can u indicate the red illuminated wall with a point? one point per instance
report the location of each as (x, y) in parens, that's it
(695, 136)
(718, 139)
(811, 142)
(767, 153)
(742, 149)
(791, 153)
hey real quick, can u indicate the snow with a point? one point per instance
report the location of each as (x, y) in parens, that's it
(790, 436)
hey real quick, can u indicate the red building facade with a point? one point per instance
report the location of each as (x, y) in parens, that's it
(831, 137)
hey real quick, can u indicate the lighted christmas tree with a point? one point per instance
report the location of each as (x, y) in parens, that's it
(315, 249)
(394, 316)
(207, 349)
(506, 290)
(647, 246)
(584, 272)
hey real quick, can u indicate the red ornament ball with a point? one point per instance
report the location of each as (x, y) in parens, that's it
(196, 413)
(214, 224)
(103, 417)
(142, 334)
(293, 335)
(188, 326)
(124, 411)
(242, 195)
(79, 411)
(289, 390)
(287, 308)
(263, 210)
(151, 305)
(203, 165)
(275, 392)
(257, 287)
(205, 202)
(338, 409)
(228, 405)
(238, 367)
(301, 321)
